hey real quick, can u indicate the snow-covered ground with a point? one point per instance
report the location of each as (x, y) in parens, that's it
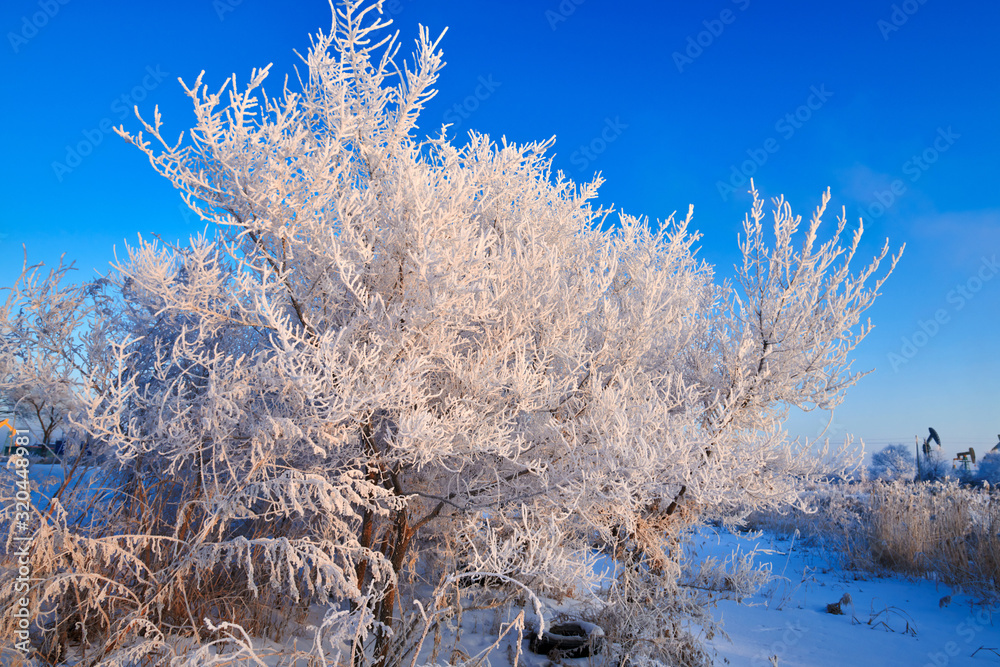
(889, 621)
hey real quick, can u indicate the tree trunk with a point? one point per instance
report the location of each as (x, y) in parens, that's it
(398, 547)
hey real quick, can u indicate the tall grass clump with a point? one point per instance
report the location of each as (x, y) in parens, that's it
(942, 530)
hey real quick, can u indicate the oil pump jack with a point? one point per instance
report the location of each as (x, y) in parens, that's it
(932, 437)
(965, 459)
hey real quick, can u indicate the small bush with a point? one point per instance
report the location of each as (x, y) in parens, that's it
(989, 468)
(934, 466)
(894, 462)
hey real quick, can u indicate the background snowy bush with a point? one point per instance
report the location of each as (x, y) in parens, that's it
(893, 462)
(989, 468)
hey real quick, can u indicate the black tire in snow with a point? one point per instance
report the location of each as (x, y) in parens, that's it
(576, 639)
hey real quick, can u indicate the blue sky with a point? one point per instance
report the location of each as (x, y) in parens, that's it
(894, 106)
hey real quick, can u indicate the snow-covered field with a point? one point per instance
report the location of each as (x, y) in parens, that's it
(886, 621)
(889, 621)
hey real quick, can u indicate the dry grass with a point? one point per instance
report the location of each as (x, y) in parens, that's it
(944, 529)
(95, 591)
(939, 530)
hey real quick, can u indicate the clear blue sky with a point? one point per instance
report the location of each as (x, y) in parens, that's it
(895, 107)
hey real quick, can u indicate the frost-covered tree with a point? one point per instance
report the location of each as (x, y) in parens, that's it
(394, 362)
(893, 462)
(932, 466)
(52, 342)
